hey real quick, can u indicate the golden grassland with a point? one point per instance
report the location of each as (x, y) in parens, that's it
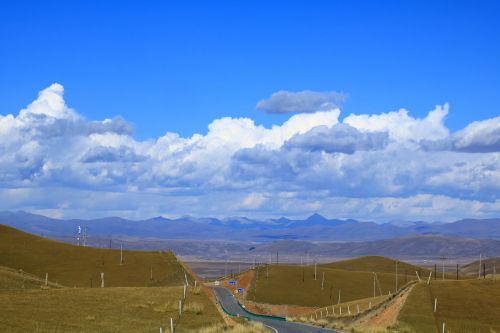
(347, 309)
(377, 264)
(375, 314)
(124, 305)
(11, 279)
(464, 306)
(125, 309)
(77, 266)
(295, 285)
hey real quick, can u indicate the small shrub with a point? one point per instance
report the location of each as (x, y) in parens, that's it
(194, 307)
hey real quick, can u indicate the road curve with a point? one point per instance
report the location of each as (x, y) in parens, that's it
(232, 306)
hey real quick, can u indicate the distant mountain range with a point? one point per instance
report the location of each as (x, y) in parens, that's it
(314, 228)
(245, 239)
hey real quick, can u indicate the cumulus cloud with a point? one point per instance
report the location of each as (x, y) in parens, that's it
(401, 126)
(477, 137)
(301, 102)
(340, 138)
(311, 162)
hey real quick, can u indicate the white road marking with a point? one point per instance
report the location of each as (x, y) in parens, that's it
(275, 330)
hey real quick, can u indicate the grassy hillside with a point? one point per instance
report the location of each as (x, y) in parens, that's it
(295, 285)
(492, 266)
(79, 266)
(464, 306)
(376, 264)
(103, 310)
(417, 313)
(11, 279)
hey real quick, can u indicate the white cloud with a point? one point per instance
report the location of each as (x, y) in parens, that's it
(401, 126)
(50, 102)
(301, 102)
(368, 164)
(477, 137)
(253, 201)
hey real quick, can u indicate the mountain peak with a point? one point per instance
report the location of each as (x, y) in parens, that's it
(316, 218)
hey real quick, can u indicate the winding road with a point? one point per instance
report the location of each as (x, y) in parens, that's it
(232, 306)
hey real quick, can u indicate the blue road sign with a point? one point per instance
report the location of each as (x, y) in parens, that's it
(240, 290)
(232, 282)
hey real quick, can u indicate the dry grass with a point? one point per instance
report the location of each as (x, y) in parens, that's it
(195, 290)
(251, 327)
(11, 279)
(79, 266)
(88, 310)
(377, 264)
(465, 306)
(194, 307)
(103, 310)
(348, 308)
(295, 285)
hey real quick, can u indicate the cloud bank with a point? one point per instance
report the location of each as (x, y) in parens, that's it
(374, 167)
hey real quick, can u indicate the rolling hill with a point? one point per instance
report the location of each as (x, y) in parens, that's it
(11, 279)
(464, 306)
(79, 304)
(296, 285)
(80, 266)
(491, 265)
(375, 264)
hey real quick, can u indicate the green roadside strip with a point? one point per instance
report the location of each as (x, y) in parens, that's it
(228, 313)
(261, 315)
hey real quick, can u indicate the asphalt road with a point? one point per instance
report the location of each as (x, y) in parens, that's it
(233, 307)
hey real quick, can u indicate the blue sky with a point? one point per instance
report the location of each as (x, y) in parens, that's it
(176, 67)
(180, 68)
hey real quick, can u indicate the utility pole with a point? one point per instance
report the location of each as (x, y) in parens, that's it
(484, 271)
(480, 260)
(322, 280)
(396, 277)
(314, 269)
(277, 258)
(442, 261)
(121, 254)
(374, 291)
(435, 271)
(457, 271)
